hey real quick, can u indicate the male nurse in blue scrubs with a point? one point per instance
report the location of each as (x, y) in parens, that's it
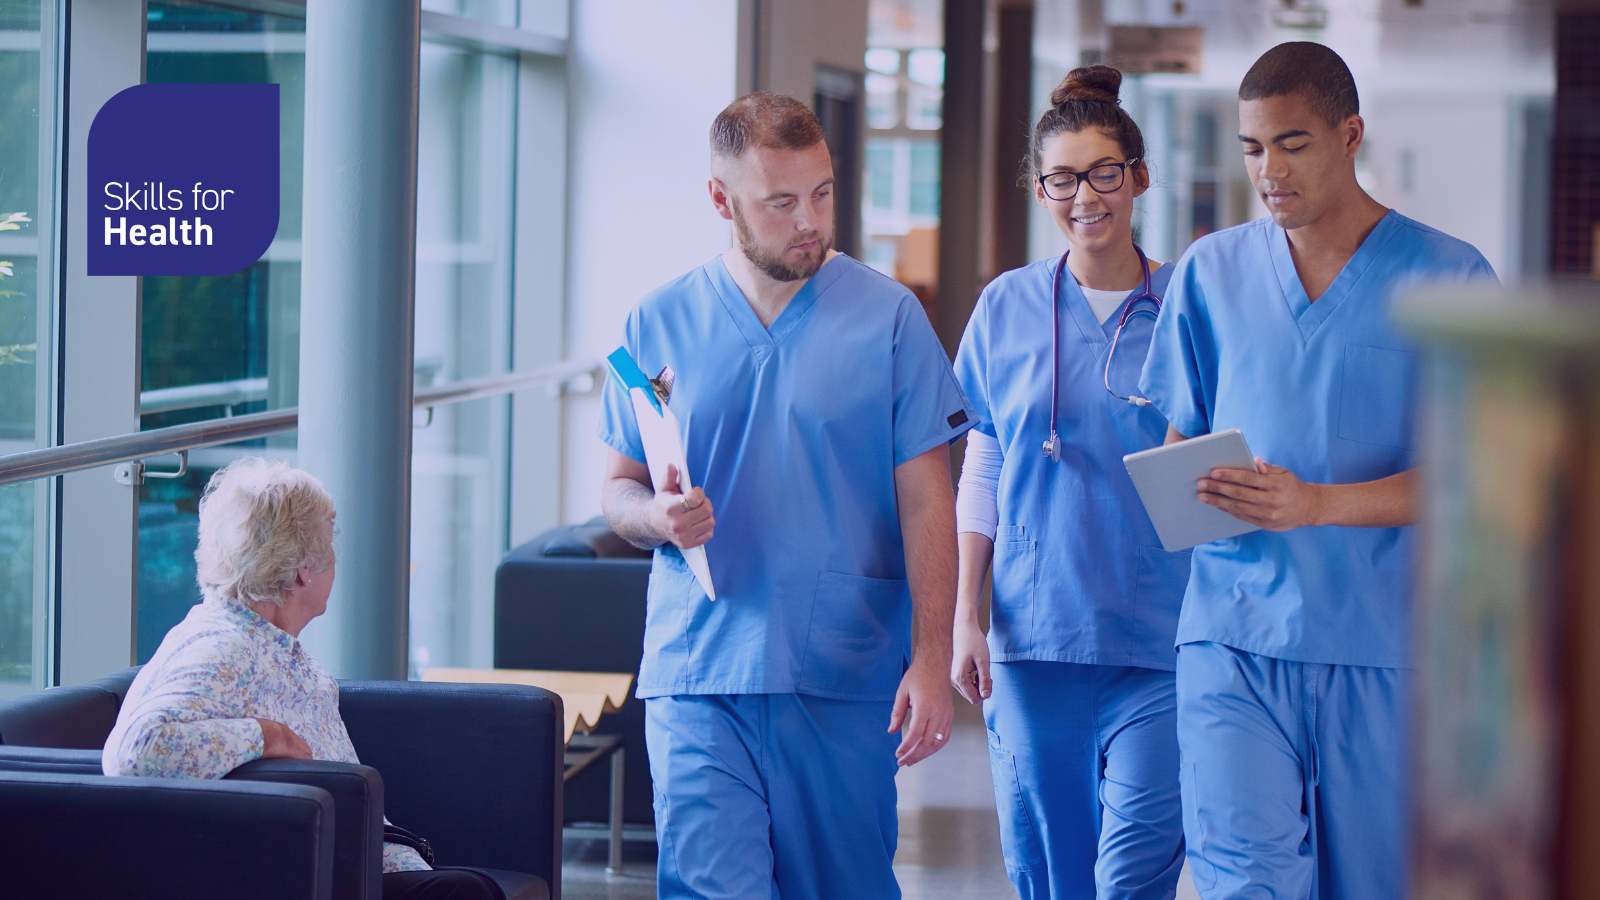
(817, 409)
(1292, 657)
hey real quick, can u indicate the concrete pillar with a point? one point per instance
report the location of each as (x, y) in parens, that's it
(99, 347)
(356, 310)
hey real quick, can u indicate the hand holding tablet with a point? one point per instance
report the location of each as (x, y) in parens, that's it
(1166, 479)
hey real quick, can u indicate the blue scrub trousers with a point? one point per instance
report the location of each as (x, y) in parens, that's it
(769, 796)
(1085, 761)
(1293, 776)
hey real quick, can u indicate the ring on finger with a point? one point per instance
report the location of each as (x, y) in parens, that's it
(938, 737)
(686, 506)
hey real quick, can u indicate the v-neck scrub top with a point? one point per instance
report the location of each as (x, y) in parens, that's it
(794, 432)
(1079, 573)
(1328, 391)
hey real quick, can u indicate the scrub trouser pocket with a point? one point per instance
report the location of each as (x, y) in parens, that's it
(1293, 776)
(772, 797)
(1085, 764)
(1019, 834)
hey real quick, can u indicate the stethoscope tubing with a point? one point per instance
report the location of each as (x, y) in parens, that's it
(1052, 447)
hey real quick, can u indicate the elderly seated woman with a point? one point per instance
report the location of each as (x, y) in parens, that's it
(231, 682)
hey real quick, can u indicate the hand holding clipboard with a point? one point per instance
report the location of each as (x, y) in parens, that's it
(663, 447)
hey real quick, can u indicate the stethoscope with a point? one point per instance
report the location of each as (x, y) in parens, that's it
(1052, 447)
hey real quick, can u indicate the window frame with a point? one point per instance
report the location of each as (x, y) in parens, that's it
(86, 565)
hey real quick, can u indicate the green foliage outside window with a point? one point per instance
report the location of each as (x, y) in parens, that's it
(19, 331)
(16, 507)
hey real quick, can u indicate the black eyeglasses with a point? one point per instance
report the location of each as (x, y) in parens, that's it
(1104, 179)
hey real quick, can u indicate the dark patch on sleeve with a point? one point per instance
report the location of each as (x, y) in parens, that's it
(957, 418)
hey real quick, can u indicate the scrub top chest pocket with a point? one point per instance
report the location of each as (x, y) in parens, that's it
(859, 639)
(1375, 396)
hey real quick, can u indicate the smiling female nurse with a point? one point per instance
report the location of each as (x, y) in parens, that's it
(1081, 709)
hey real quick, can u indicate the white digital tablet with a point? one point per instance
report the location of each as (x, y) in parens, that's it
(1165, 478)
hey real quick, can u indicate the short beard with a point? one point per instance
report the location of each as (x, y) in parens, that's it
(772, 265)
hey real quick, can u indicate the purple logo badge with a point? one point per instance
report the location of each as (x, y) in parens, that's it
(183, 179)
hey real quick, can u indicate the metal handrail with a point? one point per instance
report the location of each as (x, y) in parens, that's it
(49, 461)
(32, 464)
(489, 386)
(192, 396)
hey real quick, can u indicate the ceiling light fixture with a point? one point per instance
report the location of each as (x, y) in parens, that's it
(1306, 14)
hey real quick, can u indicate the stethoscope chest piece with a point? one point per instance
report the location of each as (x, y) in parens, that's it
(1052, 448)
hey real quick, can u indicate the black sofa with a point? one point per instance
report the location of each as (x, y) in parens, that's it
(476, 769)
(573, 600)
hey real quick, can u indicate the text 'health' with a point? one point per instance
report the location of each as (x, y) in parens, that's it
(167, 235)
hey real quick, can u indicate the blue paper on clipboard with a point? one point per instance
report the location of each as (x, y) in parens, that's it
(631, 376)
(663, 445)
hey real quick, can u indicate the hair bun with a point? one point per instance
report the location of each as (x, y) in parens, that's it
(1099, 83)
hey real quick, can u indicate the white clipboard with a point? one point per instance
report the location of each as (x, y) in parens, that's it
(663, 446)
(1165, 478)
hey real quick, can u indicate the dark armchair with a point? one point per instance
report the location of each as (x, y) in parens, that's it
(67, 835)
(476, 769)
(573, 600)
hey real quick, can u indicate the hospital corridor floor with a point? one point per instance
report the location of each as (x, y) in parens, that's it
(949, 836)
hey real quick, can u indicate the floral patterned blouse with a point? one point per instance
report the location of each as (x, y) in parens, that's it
(191, 712)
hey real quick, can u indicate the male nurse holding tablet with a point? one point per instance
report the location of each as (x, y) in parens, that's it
(817, 409)
(1293, 640)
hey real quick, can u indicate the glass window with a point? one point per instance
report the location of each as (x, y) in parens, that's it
(1205, 139)
(240, 333)
(237, 333)
(24, 188)
(924, 108)
(925, 179)
(905, 81)
(882, 101)
(499, 12)
(884, 59)
(459, 461)
(881, 255)
(880, 174)
(926, 66)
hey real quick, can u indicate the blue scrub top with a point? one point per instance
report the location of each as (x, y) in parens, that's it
(794, 432)
(1079, 573)
(1328, 391)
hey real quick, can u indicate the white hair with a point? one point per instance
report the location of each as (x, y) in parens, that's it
(261, 521)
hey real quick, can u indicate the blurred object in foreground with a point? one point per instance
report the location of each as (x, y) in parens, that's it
(1506, 803)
